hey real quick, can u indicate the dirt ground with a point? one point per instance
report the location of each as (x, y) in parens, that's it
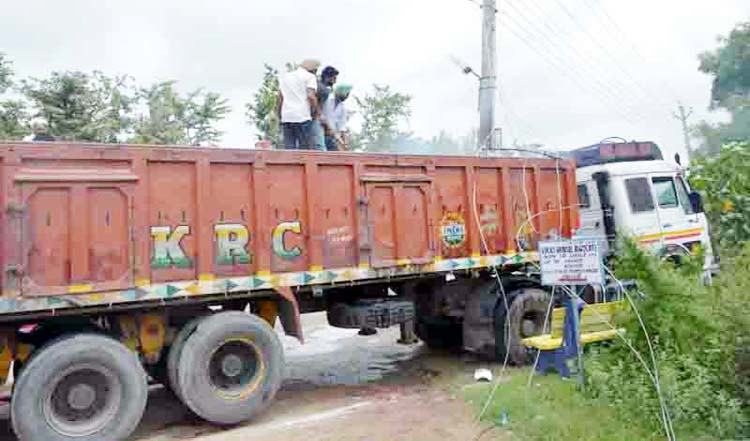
(339, 386)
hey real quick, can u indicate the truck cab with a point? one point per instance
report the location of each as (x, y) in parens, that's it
(628, 188)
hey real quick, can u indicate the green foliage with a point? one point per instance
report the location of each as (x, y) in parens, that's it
(552, 409)
(724, 182)
(382, 111)
(13, 117)
(98, 108)
(696, 332)
(171, 118)
(729, 65)
(261, 112)
(6, 73)
(81, 106)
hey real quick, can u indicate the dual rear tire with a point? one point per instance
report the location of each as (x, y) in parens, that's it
(226, 368)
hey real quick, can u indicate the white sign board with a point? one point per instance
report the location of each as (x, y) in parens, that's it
(571, 262)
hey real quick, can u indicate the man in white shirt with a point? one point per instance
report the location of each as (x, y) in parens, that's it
(298, 105)
(335, 117)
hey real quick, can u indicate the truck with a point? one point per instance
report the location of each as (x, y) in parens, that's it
(627, 188)
(124, 262)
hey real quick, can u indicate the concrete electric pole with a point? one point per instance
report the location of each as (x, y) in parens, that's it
(488, 79)
(683, 116)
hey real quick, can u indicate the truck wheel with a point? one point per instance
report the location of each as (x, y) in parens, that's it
(230, 367)
(173, 356)
(525, 318)
(85, 387)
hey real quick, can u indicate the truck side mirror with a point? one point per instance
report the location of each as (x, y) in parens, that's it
(696, 202)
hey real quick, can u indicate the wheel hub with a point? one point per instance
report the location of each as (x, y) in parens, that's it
(528, 327)
(82, 400)
(231, 365)
(81, 396)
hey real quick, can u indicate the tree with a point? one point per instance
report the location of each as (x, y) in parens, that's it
(6, 73)
(13, 120)
(13, 115)
(729, 65)
(170, 118)
(382, 112)
(723, 180)
(81, 106)
(261, 112)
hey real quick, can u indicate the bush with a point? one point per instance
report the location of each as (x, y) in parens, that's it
(724, 183)
(700, 340)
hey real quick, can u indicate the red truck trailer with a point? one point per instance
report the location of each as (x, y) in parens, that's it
(174, 261)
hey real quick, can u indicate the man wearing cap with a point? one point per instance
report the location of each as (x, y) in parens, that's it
(325, 86)
(298, 105)
(335, 117)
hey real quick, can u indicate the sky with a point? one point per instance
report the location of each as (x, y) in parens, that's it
(571, 72)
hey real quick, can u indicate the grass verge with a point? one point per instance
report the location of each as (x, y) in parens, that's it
(552, 409)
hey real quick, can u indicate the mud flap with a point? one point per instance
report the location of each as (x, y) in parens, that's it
(289, 315)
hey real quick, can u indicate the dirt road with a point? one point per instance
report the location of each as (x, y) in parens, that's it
(339, 386)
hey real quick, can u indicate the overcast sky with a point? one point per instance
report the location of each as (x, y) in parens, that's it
(569, 75)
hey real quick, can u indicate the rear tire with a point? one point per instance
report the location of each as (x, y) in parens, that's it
(527, 310)
(230, 367)
(85, 387)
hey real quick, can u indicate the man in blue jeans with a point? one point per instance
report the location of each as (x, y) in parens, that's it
(298, 106)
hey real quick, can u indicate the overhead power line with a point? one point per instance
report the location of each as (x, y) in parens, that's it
(557, 44)
(627, 43)
(617, 62)
(571, 72)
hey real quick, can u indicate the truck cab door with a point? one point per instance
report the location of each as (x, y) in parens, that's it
(591, 212)
(679, 225)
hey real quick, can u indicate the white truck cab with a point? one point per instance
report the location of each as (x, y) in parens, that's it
(628, 188)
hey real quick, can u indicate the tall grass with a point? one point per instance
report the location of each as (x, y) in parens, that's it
(700, 337)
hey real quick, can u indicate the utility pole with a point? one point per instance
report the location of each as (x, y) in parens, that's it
(683, 116)
(488, 79)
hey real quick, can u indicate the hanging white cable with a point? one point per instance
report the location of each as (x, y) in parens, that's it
(667, 418)
(505, 302)
(544, 327)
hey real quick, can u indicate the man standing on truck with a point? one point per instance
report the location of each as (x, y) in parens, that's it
(334, 118)
(325, 86)
(39, 131)
(298, 105)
